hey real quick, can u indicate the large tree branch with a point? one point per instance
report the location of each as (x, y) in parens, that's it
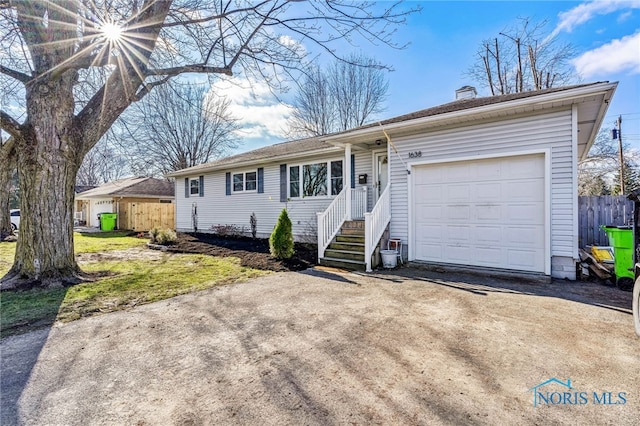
(10, 125)
(202, 69)
(121, 87)
(22, 77)
(183, 22)
(148, 86)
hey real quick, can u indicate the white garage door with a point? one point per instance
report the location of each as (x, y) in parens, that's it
(481, 213)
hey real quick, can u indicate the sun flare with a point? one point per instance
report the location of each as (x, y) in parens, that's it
(111, 31)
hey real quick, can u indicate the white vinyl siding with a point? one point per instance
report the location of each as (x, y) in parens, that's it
(217, 208)
(551, 131)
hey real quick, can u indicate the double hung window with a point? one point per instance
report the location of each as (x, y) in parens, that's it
(246, 181)
(316, 179)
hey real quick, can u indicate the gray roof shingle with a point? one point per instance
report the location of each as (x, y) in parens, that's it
(132, 187)
(315, 144)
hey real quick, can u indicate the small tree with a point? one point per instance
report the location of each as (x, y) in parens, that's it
(253, 221)
(281, 240)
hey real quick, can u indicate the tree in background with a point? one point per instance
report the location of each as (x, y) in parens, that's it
(522, 58)
(599, 173)
(82, 63)
(103, 163)
(631, 177)
(178, 126)
(344, 96)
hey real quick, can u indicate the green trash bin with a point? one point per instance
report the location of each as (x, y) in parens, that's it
(108, 221)
(621, 239)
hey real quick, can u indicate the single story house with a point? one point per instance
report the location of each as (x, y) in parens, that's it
(113, 197)
(488, 182)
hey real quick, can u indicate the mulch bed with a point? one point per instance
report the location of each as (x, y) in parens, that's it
(253, 253)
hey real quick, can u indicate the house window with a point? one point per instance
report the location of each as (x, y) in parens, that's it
(251, 181)
(246, 181)
(194, 187)
(316, 179)
(294, 182)
(336, 177)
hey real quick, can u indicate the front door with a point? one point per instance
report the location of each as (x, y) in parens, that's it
(381, 173)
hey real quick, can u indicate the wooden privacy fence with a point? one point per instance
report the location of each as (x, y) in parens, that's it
(593, 211)
(145, 216)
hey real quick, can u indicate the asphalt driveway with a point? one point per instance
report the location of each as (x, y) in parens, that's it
(409, 347)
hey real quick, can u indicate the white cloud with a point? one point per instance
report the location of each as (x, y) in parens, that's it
(585, 11)
(616, 56)
(260, 114)
(624, 16)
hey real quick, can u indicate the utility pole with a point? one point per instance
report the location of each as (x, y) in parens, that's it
(619, 123)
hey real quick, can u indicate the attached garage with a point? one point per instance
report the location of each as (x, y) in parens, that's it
(489, 212)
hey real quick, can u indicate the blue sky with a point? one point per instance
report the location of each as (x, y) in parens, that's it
(443, 40)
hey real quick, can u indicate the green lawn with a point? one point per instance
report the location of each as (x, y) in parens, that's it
(126, 282)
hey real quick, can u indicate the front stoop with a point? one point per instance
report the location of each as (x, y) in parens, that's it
(346, 251)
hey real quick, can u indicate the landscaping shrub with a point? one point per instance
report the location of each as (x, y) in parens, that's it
(162, 236)
(281, 239)
(253, 221)
(153, 234)
(228, 230)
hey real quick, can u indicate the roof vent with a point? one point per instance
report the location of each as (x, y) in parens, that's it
(466, 92)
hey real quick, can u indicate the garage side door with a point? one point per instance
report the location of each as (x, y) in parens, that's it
(482, 213)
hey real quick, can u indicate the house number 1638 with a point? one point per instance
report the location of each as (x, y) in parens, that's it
(415, 154)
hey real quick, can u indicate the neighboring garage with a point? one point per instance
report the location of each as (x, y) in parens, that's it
(488, 213)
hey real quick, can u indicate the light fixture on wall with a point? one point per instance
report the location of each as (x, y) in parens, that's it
(378, 142)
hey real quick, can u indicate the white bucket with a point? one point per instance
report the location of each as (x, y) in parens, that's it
(389, 258)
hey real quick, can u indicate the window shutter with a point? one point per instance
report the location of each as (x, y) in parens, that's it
(186, 187)
(353, 171)
(283, 183)
(201, 186)
(260, 180)
(227, 177)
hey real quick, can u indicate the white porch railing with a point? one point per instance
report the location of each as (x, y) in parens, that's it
(330, 221)
(375, 223)
(358, 203)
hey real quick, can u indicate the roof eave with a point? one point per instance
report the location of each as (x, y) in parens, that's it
(227, 166)
(604, 106)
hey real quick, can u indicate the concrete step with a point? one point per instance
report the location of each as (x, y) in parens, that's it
(355, 239)
(350, 246)
(345, 254)
(350, 265)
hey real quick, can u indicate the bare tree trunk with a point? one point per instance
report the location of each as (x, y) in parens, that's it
(520, 80)
(534, 69)
(487, 68)
(48, 158)
(500, 77)
(7, 159)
